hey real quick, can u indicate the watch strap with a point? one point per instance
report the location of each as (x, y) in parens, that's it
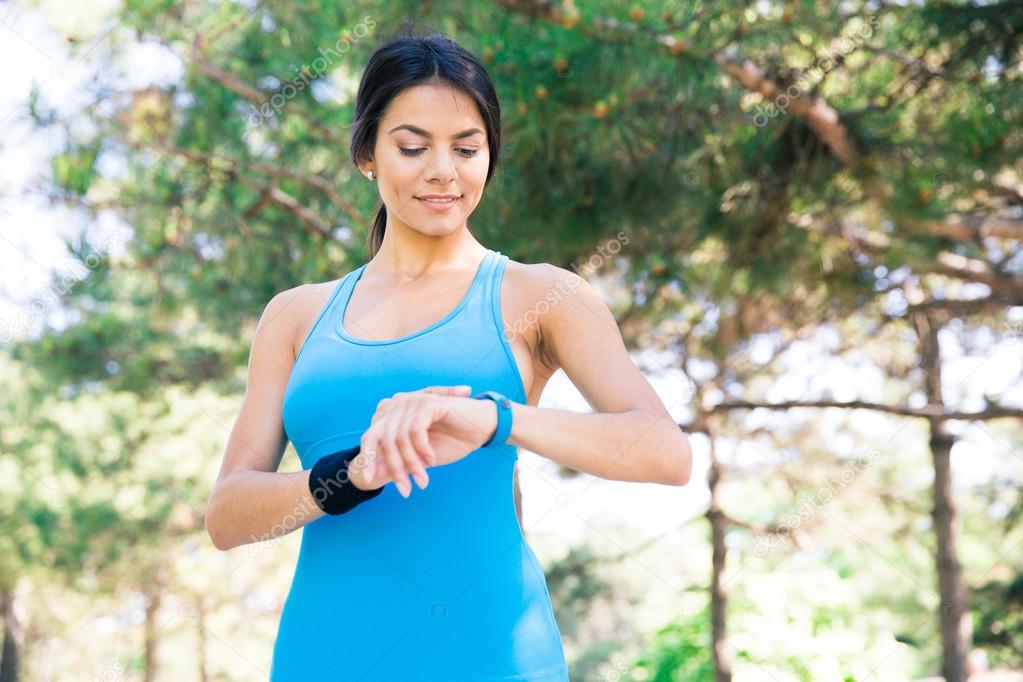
(504, 416)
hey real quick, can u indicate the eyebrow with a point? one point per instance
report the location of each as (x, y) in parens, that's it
(423, 133)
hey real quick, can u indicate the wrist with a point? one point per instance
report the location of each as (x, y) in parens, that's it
(359, 473)
(501, 417)
(332, 486)
(490, 409)
(516, 412)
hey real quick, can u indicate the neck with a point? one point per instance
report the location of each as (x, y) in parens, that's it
(408, 255)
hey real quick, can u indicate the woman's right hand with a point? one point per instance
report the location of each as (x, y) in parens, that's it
(370, 470)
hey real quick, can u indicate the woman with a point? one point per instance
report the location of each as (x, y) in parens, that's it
(404, 366)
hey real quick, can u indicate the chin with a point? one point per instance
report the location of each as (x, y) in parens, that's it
(438, 229)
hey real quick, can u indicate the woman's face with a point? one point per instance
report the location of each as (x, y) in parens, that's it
(431, 141)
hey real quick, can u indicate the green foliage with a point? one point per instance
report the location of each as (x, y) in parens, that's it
(997, 608)
(74, 169)
(111, 440)
(678, 652)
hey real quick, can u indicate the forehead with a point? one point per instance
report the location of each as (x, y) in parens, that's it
(440, 109)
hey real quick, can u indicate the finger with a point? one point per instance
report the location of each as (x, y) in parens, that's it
(383, 409)
(420, 438)
(449, 390)
(369, 455)
(413, 460)
(410, 453)
(392, 456)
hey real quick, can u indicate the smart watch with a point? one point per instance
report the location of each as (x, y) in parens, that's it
(504, 416)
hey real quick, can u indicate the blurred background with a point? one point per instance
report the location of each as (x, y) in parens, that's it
(806, 217)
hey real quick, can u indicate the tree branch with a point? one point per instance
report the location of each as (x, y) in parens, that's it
(991, 410)
(290, 204)
(226, 79)
(975, 270)
(969, 227)
(276, 172)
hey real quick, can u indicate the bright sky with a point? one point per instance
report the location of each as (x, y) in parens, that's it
(31, 248)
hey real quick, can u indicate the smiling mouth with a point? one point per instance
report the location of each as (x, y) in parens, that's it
(439, 201)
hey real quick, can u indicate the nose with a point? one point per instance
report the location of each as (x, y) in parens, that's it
(442, 167)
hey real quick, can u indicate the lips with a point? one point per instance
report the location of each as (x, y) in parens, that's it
(439, 198)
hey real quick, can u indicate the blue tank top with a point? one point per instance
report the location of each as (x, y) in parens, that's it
(437, 587)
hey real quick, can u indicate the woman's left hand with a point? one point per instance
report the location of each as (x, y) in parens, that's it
(417, 429)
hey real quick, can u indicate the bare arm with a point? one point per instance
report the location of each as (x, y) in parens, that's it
(631, 437)
(251, 501)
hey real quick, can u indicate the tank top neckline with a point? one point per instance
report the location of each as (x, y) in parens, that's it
(339, 326)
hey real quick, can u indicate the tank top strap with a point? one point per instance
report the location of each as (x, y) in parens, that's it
(492, 290)
(481, 305)
(346, 288)
(327, 311)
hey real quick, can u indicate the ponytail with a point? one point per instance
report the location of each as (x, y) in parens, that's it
(376, 233)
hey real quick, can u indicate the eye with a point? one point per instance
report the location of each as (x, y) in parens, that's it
(415, 151)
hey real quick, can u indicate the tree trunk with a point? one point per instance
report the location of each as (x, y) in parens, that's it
(956, 628)
(954, 616)
(200, 623)
(11, 657)
(153, 594)
(720, 654)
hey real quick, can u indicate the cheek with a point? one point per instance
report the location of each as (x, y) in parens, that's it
(403, 169)
(402, 182)
(475, 170)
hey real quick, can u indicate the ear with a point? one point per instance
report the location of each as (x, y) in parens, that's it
(365, 165)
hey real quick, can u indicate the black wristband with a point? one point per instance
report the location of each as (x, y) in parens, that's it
(332, 487)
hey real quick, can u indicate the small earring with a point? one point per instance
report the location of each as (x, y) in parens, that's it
(371, 177)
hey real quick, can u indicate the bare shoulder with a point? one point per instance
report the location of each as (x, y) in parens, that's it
(292, 312)
(538, 282)
(538, 293)
(524, 274)
(527, 285)
(537, 276)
